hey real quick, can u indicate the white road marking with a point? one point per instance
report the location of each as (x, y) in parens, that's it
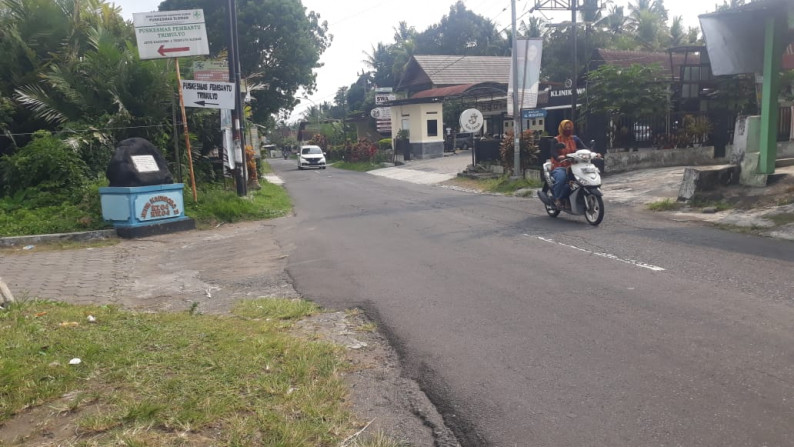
(603, 255)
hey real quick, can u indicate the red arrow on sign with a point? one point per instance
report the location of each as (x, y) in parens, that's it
(162, 50)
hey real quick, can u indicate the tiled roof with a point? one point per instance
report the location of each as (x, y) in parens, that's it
(455, 70)
(442, 91)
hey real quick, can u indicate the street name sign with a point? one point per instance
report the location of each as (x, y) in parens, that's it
(208, 95)
(171, 34)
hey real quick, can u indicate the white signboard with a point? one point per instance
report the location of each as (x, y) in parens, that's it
(381, 113)
(171, 34)
(144, 163)
(210, 95)
(471, 120)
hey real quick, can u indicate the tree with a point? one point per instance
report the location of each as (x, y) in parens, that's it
(634, 91)
(280, 44)
(381, 60)
(36, 34)
(462, 32)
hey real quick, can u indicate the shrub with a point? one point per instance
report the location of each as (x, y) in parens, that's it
(529, 150)
(363, 150)
(319, 140)
(384, 144)
(46, 164)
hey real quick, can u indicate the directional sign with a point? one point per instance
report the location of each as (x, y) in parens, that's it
(208, 95)
(171, 34)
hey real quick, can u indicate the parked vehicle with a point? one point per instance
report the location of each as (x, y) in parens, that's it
(311, 156)
(585, 179)
(464, 141)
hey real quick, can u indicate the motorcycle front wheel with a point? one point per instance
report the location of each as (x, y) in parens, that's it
(594, 209)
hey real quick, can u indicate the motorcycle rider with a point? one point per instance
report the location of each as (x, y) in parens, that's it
(567, 143)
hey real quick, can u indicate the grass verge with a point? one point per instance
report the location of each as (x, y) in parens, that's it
(218, 205)
(173, 378)
(500, 185)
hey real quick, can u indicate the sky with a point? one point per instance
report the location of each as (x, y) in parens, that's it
(358, 26)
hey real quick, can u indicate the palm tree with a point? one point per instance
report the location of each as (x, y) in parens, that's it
(615, 21)
(677, 35)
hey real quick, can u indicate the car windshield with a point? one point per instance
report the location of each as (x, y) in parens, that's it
(311, 150)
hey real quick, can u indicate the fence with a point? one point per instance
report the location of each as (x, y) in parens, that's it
(681, 129)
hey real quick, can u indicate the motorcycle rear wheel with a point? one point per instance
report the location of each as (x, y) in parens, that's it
(594, 209)
(552, 211)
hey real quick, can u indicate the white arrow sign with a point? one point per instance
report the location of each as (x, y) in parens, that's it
(170, 34)
(210, 95)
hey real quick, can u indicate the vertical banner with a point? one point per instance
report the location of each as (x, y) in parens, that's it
(529, 53)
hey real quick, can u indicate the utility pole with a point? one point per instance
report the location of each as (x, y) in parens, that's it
(516, 106)
(574, 86)
(237, 113)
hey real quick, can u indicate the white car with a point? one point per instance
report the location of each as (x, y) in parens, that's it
(311, 156)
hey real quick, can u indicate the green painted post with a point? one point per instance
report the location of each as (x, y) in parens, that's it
(773, 50)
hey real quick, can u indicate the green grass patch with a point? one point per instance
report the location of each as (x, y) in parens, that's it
(35, 212)
(506, 185)
(175, 378)
(665, 205)
(361, 166)
(217, 204)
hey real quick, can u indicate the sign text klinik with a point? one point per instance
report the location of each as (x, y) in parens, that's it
(567, 92)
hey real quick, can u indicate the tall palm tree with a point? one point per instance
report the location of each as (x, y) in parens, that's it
(615, 21)
(677, 35)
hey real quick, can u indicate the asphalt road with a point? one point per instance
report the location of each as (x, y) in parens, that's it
(531, 331)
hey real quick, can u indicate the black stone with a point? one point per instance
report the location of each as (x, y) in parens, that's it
(121, 171)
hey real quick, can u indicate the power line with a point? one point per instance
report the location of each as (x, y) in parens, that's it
(94, 129)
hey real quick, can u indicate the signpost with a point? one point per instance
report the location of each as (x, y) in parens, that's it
(172, 34)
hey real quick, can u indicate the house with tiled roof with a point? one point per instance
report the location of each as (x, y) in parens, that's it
(429, 80)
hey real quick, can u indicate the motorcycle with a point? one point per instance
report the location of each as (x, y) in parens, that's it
(285, 154)
(585, 180)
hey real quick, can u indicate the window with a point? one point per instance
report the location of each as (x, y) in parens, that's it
(432, 128)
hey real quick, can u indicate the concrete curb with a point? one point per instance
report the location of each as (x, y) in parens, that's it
(16, 241)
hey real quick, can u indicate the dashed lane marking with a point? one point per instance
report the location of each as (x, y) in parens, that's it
(603, 255)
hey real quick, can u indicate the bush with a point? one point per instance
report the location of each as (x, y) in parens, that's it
(529, 150)
(384, 144)
(46, 164)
